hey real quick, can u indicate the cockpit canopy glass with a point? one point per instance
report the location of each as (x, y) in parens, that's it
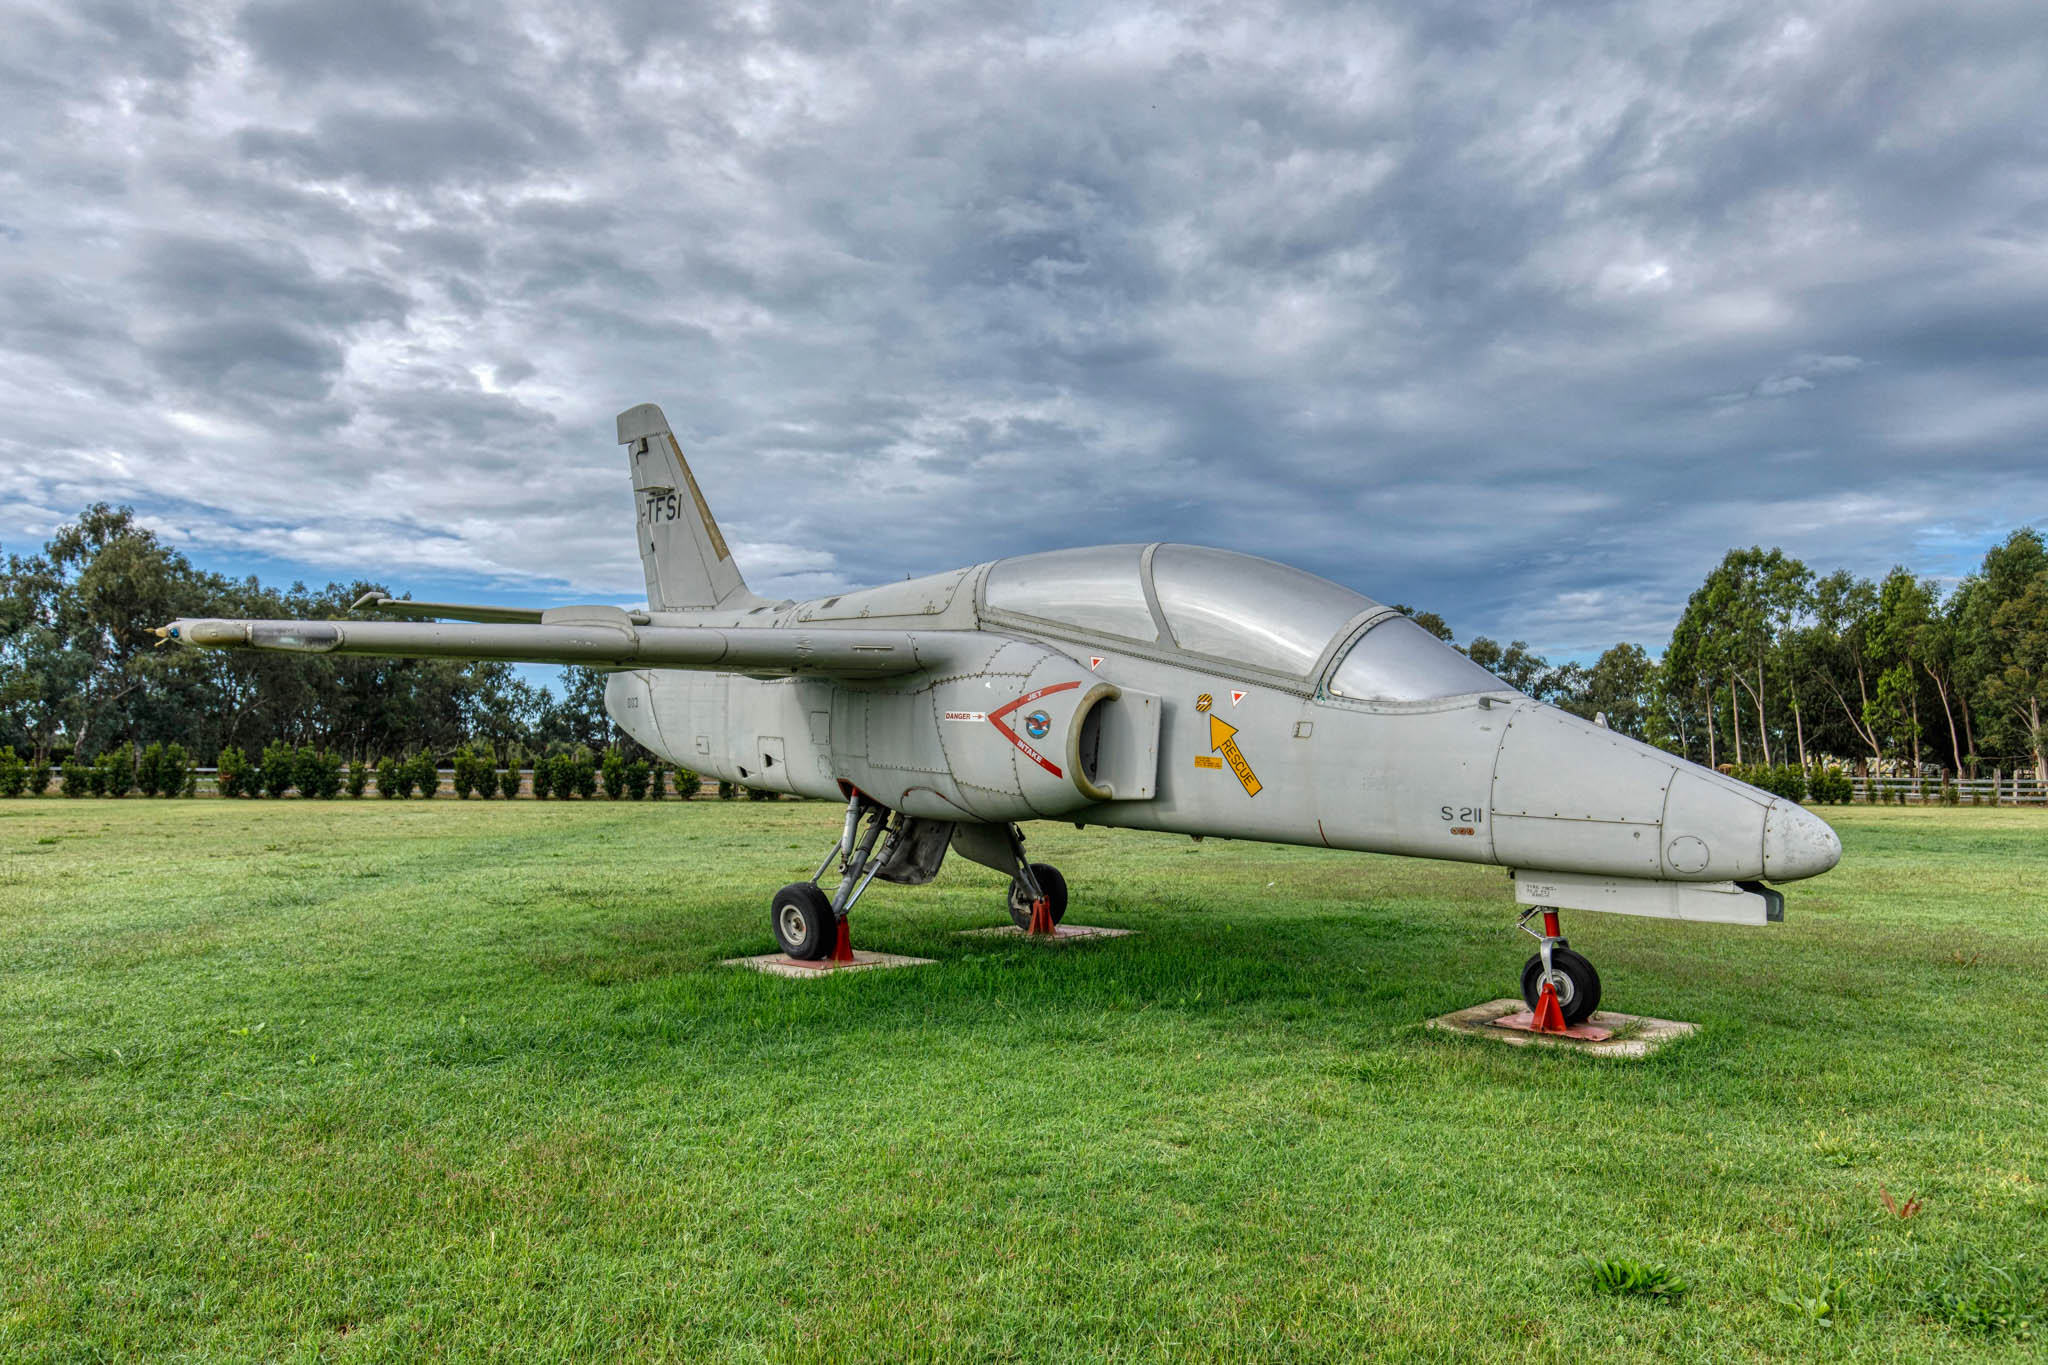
(1237, 607)
(1098, 588)
(1398, 660)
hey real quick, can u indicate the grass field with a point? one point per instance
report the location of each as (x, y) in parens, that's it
(380, 1081)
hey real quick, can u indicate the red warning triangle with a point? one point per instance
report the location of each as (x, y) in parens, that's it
(1236, 697)
(1095, 661)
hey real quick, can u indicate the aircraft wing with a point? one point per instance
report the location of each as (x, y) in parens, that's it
(388, 605)
(603, 638)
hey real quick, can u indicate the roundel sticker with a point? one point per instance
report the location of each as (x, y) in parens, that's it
(1037, 724)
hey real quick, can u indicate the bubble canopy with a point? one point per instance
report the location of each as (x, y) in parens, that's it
(1238, 607)
(1233, 606)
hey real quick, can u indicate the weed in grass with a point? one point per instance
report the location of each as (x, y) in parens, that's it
(1985, 1300)
(1817, 1298)
(1835, 1150)
(1625, 1278)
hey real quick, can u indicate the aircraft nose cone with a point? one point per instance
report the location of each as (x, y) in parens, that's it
(1797, 843)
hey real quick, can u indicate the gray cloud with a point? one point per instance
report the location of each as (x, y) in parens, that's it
(365, 40)
(1522, 314)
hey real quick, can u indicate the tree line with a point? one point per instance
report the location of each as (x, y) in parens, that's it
(1769, 665)
(81, 673)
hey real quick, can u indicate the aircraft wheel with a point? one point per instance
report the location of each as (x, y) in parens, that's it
(1054, 886)
(1578, 985)
(803, 922)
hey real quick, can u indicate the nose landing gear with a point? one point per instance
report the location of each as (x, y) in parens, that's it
(1560, 986)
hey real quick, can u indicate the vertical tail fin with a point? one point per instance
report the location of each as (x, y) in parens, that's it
(681, 548)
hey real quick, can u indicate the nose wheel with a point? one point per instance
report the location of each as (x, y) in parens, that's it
(1569, 977)
(1560, 986)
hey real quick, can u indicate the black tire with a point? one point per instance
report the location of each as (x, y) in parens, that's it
(804, 925)
(1049, 881)
(1578, 985)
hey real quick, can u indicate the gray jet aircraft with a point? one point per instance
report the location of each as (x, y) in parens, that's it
(1158, 687)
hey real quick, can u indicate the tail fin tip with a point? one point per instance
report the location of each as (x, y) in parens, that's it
(639, 423)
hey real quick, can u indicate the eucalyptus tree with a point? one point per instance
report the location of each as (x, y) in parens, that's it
(2021, 681)
(1832, 651)
(1619, 686)
(1514, 664)
(1690, 668)
(1893, 713)
(1913, 629)
(2001, 619)
(1733, 625)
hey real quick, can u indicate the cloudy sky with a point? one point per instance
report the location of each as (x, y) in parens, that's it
(1521, 312)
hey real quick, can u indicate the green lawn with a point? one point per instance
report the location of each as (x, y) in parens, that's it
(373, 1080)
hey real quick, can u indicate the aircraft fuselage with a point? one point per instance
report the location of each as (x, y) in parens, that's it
(1013, 725)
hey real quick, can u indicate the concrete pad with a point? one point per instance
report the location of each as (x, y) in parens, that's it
(781, 964)
(1061, 933)
(1628, 1035)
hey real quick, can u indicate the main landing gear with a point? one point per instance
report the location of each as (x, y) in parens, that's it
(1559, 985)
(809, 925)
(1038, 893)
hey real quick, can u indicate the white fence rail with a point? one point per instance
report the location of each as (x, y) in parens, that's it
(2004, 789)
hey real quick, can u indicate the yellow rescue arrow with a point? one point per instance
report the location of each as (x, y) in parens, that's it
(1223, 740)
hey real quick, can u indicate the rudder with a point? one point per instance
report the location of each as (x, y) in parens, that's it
(682, 551)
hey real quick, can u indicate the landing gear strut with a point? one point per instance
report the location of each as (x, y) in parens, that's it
(1559, 985)
(1038, 893)
(811, 927)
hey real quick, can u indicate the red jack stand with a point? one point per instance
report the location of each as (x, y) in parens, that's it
(842, 946)
(1548, 1016)
(1041, 919)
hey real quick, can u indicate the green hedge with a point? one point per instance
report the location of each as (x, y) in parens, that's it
(1779, 779)
(317, 773)
(233, 775)
(276, 768)
(1831, 786)
(321, 774)
(476, 772)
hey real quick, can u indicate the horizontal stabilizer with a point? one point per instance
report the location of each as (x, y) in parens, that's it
(599, 637)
